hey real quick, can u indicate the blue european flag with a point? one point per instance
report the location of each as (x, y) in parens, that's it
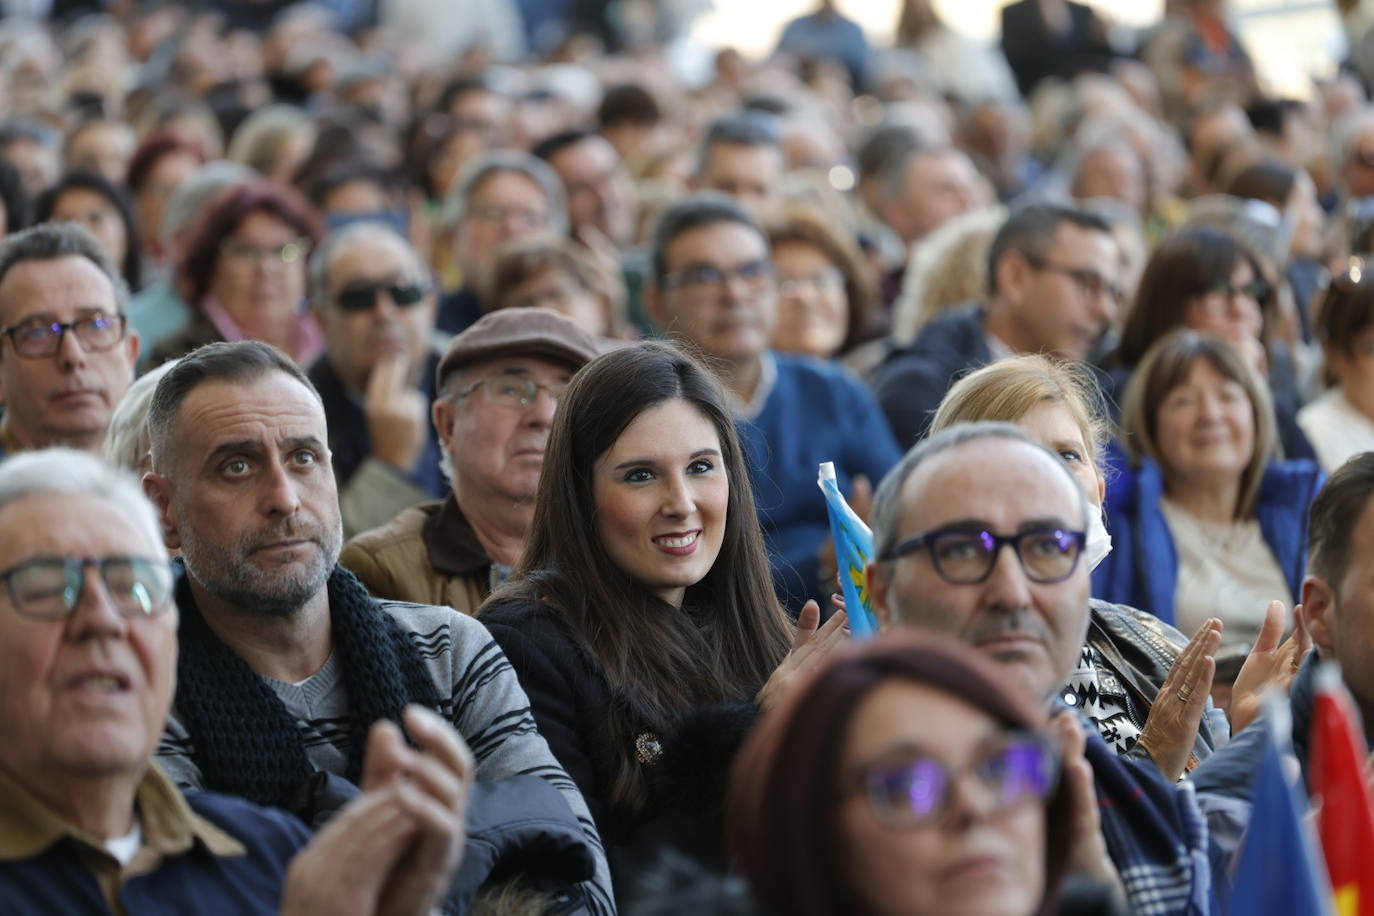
(853, 549)
(1278, 872)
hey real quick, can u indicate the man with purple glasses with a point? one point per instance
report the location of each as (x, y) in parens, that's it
(942, 518)
(376, 305)
(66, 351)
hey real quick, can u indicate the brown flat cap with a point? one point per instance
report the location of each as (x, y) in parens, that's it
(518, 332)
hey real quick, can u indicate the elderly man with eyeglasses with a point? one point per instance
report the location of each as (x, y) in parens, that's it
(88, 661)
(497, 385)
(66, 352)
(375, 303)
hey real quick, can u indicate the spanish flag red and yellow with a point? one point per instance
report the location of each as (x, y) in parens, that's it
(1345, 819)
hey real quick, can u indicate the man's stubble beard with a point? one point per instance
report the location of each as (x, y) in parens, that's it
(232, 577)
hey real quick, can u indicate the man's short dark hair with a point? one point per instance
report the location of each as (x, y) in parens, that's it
(744, 128)
(239, 362)
(50, 241)
(1031, 229)
(883, 145)
(1335, 513)
(549, 147)
(704, 209)
(628, 104)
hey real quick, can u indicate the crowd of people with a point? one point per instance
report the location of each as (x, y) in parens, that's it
(411, 425)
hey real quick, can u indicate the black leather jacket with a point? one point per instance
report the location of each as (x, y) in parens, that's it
(1138, 650)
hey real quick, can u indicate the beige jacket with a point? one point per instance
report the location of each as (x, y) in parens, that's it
(428, 554)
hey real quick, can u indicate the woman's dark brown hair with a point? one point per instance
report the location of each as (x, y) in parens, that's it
(1346, 310)
(784, 799)
(196, 270)
(805, 224)
(658, 660)
(1270, 181)
(1188, 264)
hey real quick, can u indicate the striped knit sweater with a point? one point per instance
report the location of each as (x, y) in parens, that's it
(482, 698)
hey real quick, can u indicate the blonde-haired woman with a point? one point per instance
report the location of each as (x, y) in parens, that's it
(1128, 656)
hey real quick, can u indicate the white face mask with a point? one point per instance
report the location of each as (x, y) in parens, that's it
(1099, 541)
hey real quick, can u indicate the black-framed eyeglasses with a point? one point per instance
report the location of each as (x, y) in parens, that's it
(1091, 283)
(1014, 767)
(966, 557)
(701, 278)
(513, 390)
(50, 588)
(363, 297)
(35, 338)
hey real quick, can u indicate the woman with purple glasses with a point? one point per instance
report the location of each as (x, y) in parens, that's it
(904, 779)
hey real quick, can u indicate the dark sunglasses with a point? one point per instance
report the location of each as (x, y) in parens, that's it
(364, 298)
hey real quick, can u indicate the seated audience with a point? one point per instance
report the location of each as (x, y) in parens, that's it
(741, 156)
(1206, 280)
(1129, 655)
(941, 519)
(1205, 521)
(658, 605)
(243, 273)
(286, 662)
(498, 386)
(92, 201)
(854, 794)
(375, 304)
(553, 273)
(66, 352)
(500, 196)
(88, 659)
(826, 294)
(1050, 289)
(714, 288)
(1340, 422)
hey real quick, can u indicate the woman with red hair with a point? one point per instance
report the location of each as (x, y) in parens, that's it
(243, 271)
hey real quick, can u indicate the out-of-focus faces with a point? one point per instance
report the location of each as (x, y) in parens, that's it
(97, 213)
(976, 857)
(600, 194)
(356, 339)
(937, 187)
(507, 205)
(557, 289)
(1309, 221)
(1354, 369)
(748, 173)
(37, 164)
(1359, 166)
(661, 495)
(83, 697)
(259, 277)
(1115, 173)
(168, 174)
(1231, 312)
(813, 307)
(1034, 630)
(1205, 427)
(1063, 302)
(718, 291)
(65, 398)
(103, 147)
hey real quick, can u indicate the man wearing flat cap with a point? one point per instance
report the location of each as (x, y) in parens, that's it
(497, 387)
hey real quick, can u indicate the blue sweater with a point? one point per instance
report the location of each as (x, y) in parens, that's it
(58, 881)
(815, 412)
(1142, 569)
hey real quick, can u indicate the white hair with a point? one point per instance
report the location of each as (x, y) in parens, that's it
(69, 472)
(128, 441)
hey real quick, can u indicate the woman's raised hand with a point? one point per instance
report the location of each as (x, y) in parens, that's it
(1173, 720)
(811, 644)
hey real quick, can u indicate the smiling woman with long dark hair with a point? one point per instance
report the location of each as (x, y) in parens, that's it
(644, 594)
